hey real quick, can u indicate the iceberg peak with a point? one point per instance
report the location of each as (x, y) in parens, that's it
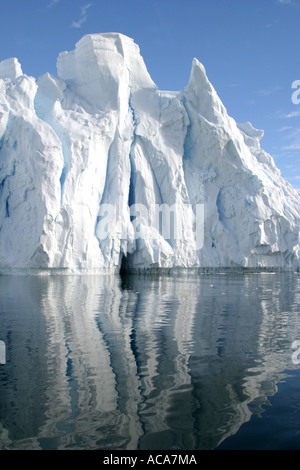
(10, 69)
(202, 95)
(198, 75)
(101, 66)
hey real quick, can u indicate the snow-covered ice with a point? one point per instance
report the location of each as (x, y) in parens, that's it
(101, 136)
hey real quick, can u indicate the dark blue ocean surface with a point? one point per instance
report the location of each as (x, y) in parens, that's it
(151, 362)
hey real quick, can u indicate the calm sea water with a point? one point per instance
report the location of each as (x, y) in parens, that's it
(150, 362)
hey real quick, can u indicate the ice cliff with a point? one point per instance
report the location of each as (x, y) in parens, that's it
(102, 135)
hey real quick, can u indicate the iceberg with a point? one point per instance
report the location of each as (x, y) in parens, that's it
(100, 170)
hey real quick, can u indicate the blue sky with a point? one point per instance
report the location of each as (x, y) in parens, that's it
(250, 49)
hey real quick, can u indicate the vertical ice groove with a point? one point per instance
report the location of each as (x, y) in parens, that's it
(161, 201)
(66, 165)
(7, 205)
(6, 182)
(133, 144)
(2, 185)
(188, 128)
(131, 194)
(109, 158)
(44, 111)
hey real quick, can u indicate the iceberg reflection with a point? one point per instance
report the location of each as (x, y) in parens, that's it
(141, 362)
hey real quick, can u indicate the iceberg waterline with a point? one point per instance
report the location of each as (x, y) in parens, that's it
(101, 134)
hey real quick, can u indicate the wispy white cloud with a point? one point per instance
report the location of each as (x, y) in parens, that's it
(284, 128)
(294, 146)
(272, 23)
(289, 151)
(297, 177)
(293, 3)
(83, 16)
(292, 114)
(269, 91)
(52, 3)
(292, 139)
